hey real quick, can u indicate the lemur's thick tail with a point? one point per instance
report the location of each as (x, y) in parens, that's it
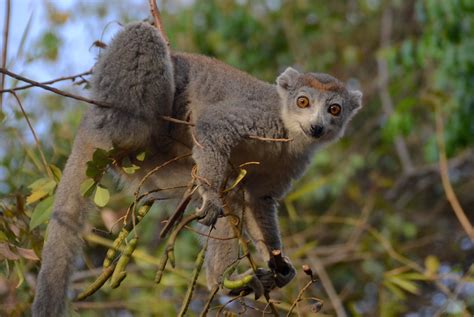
(135, 76)
(64, 242)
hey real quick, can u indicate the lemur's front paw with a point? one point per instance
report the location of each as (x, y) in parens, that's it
(210, 210)
(283, 271)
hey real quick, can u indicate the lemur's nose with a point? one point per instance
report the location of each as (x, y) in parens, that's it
(317, 130)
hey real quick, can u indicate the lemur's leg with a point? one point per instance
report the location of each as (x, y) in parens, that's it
(222, 252)
(261, 224)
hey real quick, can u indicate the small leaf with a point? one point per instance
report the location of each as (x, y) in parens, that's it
(239, 178)
(141, 156)
(7, 253)
(92, 170)
(432, 265)
(404, 284)
(39, 183)
(101, 158)
(19, 269)
(130, 169)
(87, 187)
(35, 196)
(42, 212)
(102, 196)
(40, 189)
(3, 237)
(28, 254)
(394, 289)
(56, 172)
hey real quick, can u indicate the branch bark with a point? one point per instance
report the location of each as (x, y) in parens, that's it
(155, 12)
(383, 79)
(443, 168)
(6, 31)
(52, 89)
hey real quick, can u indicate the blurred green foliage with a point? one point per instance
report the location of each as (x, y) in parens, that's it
(387, 238)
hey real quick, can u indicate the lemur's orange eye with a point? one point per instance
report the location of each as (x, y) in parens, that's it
(335, 109)
(302, 102)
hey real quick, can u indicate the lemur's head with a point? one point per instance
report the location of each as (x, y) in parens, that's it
(316, 105)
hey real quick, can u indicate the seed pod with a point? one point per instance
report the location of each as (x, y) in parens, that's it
(120, 270)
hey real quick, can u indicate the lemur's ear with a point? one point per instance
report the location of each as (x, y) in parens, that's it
(287, 78)
(356, 99)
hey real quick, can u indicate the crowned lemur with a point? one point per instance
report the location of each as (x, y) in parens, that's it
(235, 119)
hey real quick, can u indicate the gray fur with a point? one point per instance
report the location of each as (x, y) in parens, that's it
(142, 80)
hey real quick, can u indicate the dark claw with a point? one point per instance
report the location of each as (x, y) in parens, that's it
(282, 268)
(210, 210)
(281, 279)
(210, 214)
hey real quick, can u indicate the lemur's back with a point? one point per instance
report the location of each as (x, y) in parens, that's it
(208, 73)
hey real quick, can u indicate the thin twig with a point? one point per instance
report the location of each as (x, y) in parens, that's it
(256, 137)
(169, 249)
(443, 168)
(227, 303)
(6, 31)
(49, 82)
(174, 120)
(299, 298)
(178, 214)
(156, 169)
(37, 141)
(205, 310)
(155, 12)
(328, 286)
(210, 236)
(52, 89)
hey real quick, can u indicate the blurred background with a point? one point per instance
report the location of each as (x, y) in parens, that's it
(371, 217)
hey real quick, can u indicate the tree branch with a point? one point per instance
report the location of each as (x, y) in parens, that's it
(443, 168)
(6, 31)
(52, 89)
(52, 81)
(155, 12)
(386, 99)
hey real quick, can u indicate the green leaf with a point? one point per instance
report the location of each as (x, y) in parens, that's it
(19, 269)
(92, 170)
(56, 172)
(432, 265)
(40, 189)
(87, 187)
(130, 169)
(39, 183)
(141, 156)
(102, 196)
(101, 158)
(405, 284)
(42, 212)
(128, 166)
(3, 237)
(394, 289)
